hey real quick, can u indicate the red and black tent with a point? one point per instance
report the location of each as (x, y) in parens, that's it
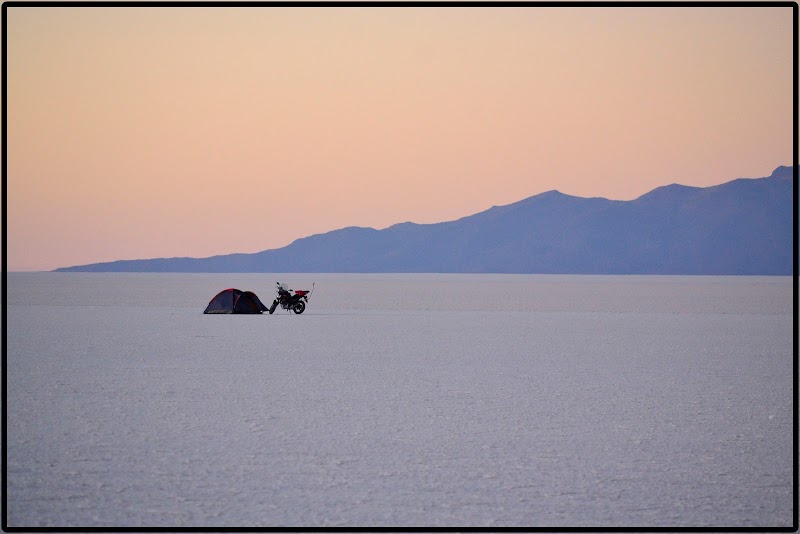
(235, 301)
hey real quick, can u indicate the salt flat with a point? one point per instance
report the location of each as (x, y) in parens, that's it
(400, 400)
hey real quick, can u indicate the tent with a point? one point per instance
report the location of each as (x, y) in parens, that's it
(235, 301)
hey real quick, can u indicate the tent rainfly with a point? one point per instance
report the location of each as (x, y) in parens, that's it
(235, 301)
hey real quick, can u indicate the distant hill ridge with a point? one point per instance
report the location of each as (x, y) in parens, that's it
(742, 227)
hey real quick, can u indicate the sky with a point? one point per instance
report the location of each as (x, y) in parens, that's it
(185, 131)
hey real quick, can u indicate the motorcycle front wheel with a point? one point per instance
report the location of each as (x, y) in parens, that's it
(299, 307)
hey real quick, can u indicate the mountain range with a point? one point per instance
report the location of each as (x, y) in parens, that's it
(742, 227)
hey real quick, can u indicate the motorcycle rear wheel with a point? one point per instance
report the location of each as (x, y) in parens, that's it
(299, 307)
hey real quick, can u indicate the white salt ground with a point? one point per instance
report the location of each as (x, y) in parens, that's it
(400, 400)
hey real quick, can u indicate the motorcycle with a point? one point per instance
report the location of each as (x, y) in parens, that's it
(288, 299)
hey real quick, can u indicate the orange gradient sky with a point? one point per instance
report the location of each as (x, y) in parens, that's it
(161, 132)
